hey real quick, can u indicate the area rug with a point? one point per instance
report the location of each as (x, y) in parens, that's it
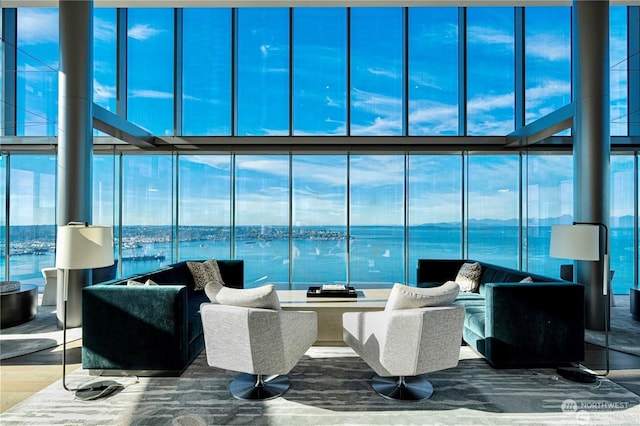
(624, 334)
(40, 333)
(330, 386)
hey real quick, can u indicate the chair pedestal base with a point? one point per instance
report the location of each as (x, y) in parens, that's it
(414, 388)
(252, 387)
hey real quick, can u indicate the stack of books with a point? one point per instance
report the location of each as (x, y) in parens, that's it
(332, 290)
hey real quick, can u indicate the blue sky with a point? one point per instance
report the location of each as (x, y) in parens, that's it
(320, 105)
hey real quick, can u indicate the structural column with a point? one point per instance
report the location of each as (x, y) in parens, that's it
(75, 136)
(591, 140)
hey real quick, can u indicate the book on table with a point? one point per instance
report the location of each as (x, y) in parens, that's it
(332, 290)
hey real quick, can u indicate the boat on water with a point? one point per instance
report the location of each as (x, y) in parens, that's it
(144, 257)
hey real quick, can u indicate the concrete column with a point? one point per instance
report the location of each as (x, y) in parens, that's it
(75, 135)
(591, 139)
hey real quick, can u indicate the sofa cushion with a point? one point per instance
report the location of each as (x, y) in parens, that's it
(405, 297)
(468, 277)
(474, 316)
(204, 272)
(264, 297)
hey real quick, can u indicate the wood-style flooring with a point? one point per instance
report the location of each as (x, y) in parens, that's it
(23, 376)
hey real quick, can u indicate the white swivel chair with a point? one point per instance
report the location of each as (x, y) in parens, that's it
(264, 344)
(401, 344)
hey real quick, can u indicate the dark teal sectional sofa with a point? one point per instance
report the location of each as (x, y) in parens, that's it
(512, 323)
(147, 330)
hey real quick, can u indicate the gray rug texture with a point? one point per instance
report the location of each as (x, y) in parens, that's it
(40, 333)
(624, 334)
(331, 386)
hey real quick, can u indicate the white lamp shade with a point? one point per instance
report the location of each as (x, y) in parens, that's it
(578, 242)
(84, 246)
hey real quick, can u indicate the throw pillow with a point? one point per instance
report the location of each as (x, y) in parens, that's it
(260, 297)
(468, 277)
(137, 283)
(526, 280)
(405, 297)
(203, 272)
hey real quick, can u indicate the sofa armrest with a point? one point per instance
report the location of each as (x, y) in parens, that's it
(437, 270)
(232, 272)
(526, 323)
(134, 327)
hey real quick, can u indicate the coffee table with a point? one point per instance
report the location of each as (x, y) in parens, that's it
(330, 310)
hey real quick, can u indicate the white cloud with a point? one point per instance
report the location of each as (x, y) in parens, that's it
(490, 35)
(490, 103)
(383, 72)
(143, 32)
(152, 94)
(104, 30)
(103, 92)
(37, 26)
(548, 47)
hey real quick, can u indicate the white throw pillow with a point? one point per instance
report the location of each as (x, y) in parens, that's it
(260, 297)
(468, 277)
(526, 280)
(204, 272)
(405, 297)
(137, 283)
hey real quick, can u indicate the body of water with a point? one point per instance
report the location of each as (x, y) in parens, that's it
(376, 254)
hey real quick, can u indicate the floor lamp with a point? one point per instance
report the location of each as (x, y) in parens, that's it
(83, 246)
(581, 241)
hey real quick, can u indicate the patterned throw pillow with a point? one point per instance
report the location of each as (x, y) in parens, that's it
(264, 297)
(405, 297)
(204, 272)
(468, 277)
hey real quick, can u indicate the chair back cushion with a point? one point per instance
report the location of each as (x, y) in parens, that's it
(264, 297)
(405, 297)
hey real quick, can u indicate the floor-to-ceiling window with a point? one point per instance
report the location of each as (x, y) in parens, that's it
(147, 212)
(206, 72)
(319, 218)
(105, 54)
(37, 72)
(490, 52)
(150, 69)
(376, 72)
(319, 71)
(549, 200)
(32, 214)
(262, 217)
(376, 218)
(434, 192)
(493, 209)
(621, 226)
(263, 72)
(355, 214)
(433, 71)
(204, 207)
(547, 46)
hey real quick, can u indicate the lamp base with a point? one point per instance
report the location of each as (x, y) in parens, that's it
(97, 390)
(577, 374)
